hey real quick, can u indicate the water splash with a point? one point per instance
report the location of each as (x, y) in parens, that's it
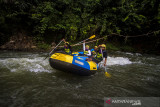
(38, 64)
(117, 61)
(25, 64)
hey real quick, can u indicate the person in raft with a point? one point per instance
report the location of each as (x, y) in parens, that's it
(94, 51)
(101, 53)
(67, 47)
(87, 51)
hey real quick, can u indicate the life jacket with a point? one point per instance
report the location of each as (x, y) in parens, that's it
(86, 52)
(66, 49)
(93, 52)
(99, 54)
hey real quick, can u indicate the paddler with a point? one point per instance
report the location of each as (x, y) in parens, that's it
(102, 53)
(94, 51)
(67, 47)
(87, 52)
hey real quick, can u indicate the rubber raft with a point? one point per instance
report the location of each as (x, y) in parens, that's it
(73, 63)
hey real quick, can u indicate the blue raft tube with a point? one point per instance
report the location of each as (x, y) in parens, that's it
(75, 63)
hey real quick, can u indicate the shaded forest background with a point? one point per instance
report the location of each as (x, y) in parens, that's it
(75, 20)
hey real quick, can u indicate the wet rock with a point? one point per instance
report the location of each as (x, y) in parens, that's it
(20, 42)
(34, 47)
(53, 45)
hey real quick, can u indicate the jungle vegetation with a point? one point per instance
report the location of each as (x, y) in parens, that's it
(48, 20)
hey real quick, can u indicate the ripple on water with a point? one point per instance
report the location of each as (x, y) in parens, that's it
(131, 75)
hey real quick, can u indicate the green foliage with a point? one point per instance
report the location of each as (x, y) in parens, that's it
(39, 40)
(111, 46)
(45, 46)
(127, 48)
(79, 19)
(45, 14)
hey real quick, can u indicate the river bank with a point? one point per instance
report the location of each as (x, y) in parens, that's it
(110, 47)
(22, 42)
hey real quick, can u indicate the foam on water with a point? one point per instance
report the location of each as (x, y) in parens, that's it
(117, 61)
(25, 64)
(38, 64)
(136, 54)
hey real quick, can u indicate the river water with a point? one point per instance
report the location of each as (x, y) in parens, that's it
(26, 80)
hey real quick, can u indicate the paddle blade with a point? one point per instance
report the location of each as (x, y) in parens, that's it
(107, 74)
(93, 36)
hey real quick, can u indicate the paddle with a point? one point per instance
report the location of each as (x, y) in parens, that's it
(93, 36)
(106, 73)
(105, 68)
(54, 49)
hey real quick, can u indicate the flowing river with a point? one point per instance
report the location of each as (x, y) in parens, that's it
(26, 80)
